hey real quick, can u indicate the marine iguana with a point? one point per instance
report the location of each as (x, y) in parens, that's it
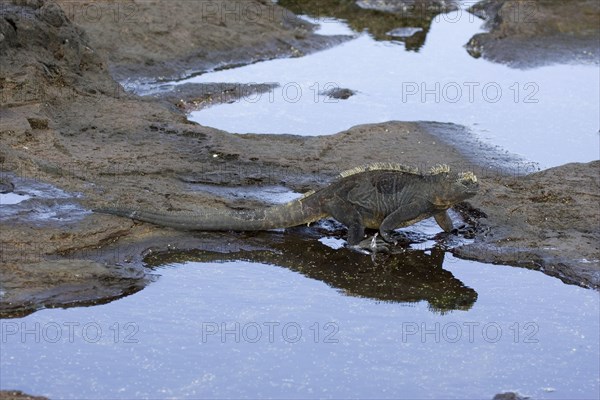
(381, 196)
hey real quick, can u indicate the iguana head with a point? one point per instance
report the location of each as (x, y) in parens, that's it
(455, 188)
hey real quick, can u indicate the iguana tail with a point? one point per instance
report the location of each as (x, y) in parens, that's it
(296, 212)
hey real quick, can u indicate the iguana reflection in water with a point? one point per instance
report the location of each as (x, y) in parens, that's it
(408, 276)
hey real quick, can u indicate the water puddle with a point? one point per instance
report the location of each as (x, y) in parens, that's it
(266, 194)
(37, 201)
(236, 325)
(7, 199)
(528, 112)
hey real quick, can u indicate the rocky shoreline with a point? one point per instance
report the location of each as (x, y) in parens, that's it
(527, 34)
(66, 122)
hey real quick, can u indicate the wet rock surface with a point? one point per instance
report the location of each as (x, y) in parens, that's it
(196, 96)
(545, 220)
(18, 395)
(526, 34)
(155, 40)
(66, 123)
(39, 202)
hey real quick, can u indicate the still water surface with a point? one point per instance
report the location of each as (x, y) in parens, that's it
(253, 330)
(529, 112)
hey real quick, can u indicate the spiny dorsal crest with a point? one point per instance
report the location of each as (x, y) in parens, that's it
(383, 166)
(309, 193)
(467, 176)
(380, 166)
(464, 177)
(439, 169)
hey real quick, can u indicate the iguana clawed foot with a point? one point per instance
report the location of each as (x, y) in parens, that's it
(377, 243)
(466, 231)
(387, 237)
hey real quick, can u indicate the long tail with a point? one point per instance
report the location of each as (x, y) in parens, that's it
(296, 212)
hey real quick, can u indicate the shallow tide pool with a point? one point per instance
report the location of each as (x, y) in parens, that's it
(253, 330)
(529, 112)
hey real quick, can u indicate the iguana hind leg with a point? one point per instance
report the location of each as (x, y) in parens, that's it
(348, 215)
(444, 221)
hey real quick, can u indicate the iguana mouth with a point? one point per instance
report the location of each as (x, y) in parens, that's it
(472, 188)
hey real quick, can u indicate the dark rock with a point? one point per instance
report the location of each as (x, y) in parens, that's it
(509, 396)
(38, 123)
(338, 93)
(6, 186)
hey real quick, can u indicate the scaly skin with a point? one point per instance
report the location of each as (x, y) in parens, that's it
(379, 196)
